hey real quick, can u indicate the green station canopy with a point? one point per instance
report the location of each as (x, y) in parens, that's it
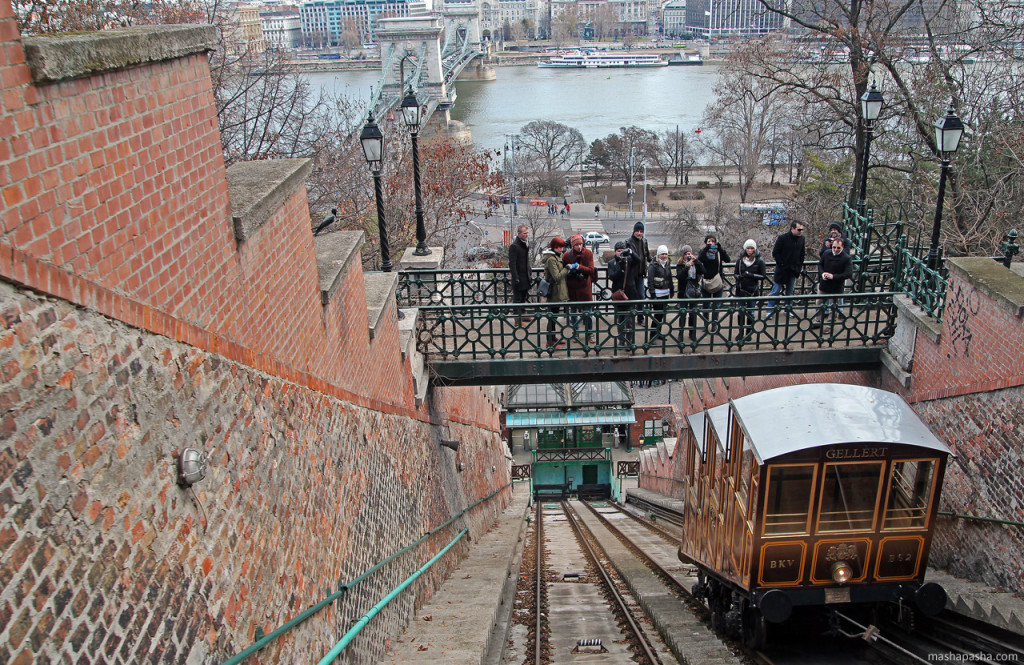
(570, 418)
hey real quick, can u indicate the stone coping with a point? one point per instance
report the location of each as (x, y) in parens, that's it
(992, 278)
(931, 328)
(259, 189)
(335, 254)
(381, 288)
(75, 55)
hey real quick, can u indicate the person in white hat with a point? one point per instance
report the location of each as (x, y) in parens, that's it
(750, 273)
(659, 287)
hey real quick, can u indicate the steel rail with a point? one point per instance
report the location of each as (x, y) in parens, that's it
(641, 637)
(538, 581)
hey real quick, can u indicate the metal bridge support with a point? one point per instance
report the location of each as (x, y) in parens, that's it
(415, 42)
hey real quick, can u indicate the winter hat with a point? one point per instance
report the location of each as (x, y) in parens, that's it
(557, 243)
(639, 226)
(662, 249)
(835, 225)
(750, 243)
(686, 250)
(573, 239)
(711, 236)
(620, 245)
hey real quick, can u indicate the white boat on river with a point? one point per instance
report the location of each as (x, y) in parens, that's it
(586, 60)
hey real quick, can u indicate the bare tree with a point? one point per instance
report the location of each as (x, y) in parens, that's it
(551, 150)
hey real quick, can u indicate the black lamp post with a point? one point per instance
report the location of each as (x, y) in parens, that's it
(372, 140)
(412, 116)
(948, 131)
(871, 107)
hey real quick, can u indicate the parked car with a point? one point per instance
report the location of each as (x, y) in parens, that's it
(594, 238)
(481, 253)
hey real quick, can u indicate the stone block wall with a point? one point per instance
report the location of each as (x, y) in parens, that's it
(148, 306)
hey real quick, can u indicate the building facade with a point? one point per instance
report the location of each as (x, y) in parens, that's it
(715, 19)
(324, 21)
(282, 29)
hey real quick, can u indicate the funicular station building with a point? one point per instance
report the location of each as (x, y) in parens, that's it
(571, 430)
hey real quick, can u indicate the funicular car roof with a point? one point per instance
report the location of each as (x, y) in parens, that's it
(792, 418)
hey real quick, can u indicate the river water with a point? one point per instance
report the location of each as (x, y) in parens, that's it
(597, 102)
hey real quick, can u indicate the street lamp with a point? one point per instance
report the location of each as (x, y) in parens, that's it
(948, 131)
(871, 106)
(644, 216)
(412, 116)
(372, 140)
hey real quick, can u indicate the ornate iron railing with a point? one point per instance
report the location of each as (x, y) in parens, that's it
(660, 327)
(417, 288)
(625, 469)
(571, 454)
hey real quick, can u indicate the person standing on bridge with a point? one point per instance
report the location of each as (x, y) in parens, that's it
(555, 272)
(689, 275)
(637, 243)
(519, 269)
(659, 283)
(789, 252)
(620, 274)
(580, 283)
(750, 272)
(834, 268)
(714, 258)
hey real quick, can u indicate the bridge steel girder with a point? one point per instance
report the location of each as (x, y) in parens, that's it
(413, 37)
(482, 372)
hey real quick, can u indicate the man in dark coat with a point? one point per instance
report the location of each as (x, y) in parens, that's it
(834, 268)
(789, 252)
(519, 268)
(620, 274)
(637, 243)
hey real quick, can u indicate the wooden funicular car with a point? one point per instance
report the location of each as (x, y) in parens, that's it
(813, 495)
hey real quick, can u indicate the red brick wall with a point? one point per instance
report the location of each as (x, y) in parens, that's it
(134, 325)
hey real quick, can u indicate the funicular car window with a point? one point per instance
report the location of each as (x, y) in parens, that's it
(910, 492)
(788, 505)
(849, 496)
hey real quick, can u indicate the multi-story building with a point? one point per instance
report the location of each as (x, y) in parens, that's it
(324, 21)
(282, 29)
(673, 18)
(714, 19)
(509, 19)
(248, 32)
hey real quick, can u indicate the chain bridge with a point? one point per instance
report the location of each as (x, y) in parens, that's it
(426, 52)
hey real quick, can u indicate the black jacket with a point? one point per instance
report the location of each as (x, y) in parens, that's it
(841, 268)
(642, 250)
(519, 265)
(713, 265)
(683, 280)
(789, 252)
(617, 268)
(749, 278)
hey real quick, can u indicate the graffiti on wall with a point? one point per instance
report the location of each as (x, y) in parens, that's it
(961, 305)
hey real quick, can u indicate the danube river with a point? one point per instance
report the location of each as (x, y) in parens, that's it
(597, 102)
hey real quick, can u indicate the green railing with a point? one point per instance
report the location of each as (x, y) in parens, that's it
(417, 288)
(661, 327)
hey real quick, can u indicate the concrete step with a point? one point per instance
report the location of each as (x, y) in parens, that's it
(979, 601)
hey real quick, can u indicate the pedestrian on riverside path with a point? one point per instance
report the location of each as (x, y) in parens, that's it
(568, 210)
(689, 275)
(580, 262)
(519, 269)
(597, 211)
(638, 244)
(789, 252)
(750, 273)
(555, 273)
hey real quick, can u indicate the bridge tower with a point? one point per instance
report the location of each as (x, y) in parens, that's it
(410, 47)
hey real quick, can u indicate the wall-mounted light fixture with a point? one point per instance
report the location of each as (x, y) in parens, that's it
(191, 467)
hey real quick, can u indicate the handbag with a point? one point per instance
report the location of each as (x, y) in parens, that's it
(713, 285)
(544, 288)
